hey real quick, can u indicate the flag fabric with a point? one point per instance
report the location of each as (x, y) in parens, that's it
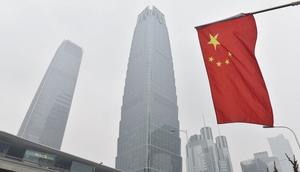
(237, 86)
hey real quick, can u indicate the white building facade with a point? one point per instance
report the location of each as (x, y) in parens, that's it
(281, 146)
(204, 155)
(262, 162)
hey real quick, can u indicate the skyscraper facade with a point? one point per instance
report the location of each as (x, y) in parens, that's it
(203, 155)
(48, 113)
(224, 160)
(281, 146)
(148, 134)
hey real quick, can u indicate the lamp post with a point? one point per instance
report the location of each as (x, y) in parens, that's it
(285, 128)
(183, 131)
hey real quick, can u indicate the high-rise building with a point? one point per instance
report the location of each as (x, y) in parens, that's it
(148, 134)
(48, 113)
(262, 162)
(206, 156)
(280, 146)
(224, 160)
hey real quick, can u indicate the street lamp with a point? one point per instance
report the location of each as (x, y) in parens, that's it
(285, 128)
(184, 131)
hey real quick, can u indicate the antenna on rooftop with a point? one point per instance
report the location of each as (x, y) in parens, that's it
(204, 122)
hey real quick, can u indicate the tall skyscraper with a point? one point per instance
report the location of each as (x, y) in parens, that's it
(206, 156)
(224, 160)
(148, 137)
(48, 113)
(281, 146)
(261, 163)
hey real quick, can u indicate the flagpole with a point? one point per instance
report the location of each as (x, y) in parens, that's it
(256, 12)
(277, 7)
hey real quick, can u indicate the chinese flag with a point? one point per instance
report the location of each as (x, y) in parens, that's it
(237, 86)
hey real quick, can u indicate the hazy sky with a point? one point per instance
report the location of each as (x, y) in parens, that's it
(32, 30)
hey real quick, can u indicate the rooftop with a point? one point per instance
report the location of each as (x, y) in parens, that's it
(16, 148)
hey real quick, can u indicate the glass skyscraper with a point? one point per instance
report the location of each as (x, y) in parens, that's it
(48, 113)
(148, 136)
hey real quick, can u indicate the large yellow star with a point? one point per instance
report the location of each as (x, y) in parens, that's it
(214, 40)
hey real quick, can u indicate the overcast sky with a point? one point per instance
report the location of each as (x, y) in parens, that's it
(32, 30)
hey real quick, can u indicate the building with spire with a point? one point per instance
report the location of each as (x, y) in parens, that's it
(46, 118)
(149, 127)
(204, 155)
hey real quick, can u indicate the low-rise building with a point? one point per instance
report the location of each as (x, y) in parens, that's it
(20, 155)
(262, 162)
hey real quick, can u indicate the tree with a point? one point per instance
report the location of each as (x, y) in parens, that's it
(275, 169)
(293, 162)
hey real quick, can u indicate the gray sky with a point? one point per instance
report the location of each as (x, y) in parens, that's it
(32, 30)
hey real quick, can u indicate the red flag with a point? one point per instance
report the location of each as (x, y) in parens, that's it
(237, 86)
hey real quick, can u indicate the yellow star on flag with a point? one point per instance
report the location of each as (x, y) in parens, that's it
(214, 40)
(211, 59)
(227, 61)
(219, 64)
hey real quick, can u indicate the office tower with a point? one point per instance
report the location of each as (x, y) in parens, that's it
(205, 155)
(281, 146)
(261, 163)
(46, 118)
(148, 134)
(224, 160)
